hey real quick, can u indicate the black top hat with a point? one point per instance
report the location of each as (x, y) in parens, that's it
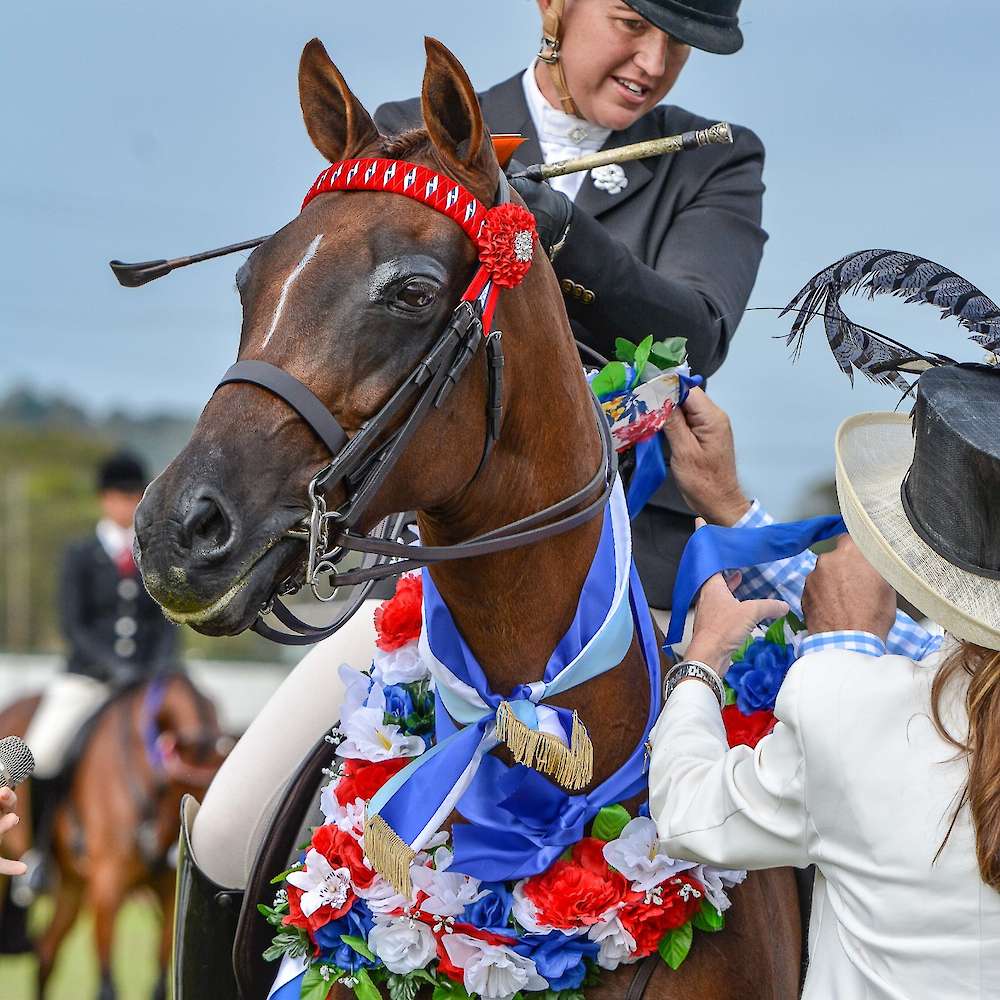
(122, 471)
(921, 497)
(711, 25)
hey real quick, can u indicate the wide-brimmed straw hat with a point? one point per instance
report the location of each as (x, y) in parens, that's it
(920, 495)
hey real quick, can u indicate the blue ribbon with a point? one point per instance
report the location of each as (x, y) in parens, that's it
(712, 549)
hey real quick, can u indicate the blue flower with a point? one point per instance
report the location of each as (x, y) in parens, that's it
(558, 958)
(398, 702)
(757, 678)
(356, 922)
(492, 912)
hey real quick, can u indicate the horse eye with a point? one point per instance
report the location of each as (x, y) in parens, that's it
(416, 296)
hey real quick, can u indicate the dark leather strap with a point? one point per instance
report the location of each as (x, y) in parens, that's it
(643, 974)
(276, 380)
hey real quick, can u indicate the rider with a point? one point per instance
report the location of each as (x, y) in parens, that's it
(115, 633)
(668, 246)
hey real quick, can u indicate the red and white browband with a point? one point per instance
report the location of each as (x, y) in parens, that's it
(504, 234)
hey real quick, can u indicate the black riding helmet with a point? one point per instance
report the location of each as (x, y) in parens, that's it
(711, 25)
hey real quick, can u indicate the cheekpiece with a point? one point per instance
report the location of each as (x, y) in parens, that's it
(951, 494)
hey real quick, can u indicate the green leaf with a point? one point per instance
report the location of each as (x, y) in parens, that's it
(624, 350)
(359, 945)
(730, 695)
(742, 651)
(708, 918)
(447, 989)
(676, 944)
(795, 623)
(642, 356)
(364, 988)
(286, 873)
(406, 987)
(669, 353)
(314, 986)
(609, 822)
(292, 942)
(776, 633)
(610, 379)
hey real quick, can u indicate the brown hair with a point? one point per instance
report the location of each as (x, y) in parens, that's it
(981, 748)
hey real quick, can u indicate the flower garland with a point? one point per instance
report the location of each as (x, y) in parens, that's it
(612, 899)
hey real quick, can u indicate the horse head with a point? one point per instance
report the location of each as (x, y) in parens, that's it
(348, 298)
(188, 741)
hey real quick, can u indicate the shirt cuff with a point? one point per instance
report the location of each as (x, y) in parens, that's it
(847, 640)
(755, 517)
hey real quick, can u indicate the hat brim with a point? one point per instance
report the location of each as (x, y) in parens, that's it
(874, 452)
(722, 40)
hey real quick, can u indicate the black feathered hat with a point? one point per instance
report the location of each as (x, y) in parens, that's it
(122, 471)
(711, 25)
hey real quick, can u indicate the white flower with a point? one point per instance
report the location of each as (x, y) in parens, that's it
(349, 818)
(448, 893)
(367, 737)
(617, 945)
(403, 944)
(639, 856)
(400, 666)
(716, 881)
(356, 688)
(382, 898)
(493, 972)
(321, 885)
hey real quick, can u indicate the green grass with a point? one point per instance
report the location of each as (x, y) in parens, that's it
(134, 959)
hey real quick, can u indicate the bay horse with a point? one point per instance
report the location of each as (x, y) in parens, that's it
(347, 298)
(114, 829)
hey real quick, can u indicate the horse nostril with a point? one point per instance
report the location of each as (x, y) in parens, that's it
(207, 529)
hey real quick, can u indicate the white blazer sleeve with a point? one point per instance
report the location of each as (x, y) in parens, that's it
(732, 808)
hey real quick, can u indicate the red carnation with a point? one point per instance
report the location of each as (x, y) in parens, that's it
(398, 620)
(507, 244)
(747, 729)
(648, 922)
(362, 779)
(579, 892)
(341, 850)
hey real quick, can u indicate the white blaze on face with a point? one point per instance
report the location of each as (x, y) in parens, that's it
(289, 281)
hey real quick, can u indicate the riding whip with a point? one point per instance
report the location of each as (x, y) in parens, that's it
(718, 134)
(16, 762)
(134, 275)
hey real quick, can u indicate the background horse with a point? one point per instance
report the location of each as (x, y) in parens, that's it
(348, 297)
(119, 819)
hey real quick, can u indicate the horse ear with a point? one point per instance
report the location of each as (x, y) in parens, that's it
(453, 118)
(335, 119)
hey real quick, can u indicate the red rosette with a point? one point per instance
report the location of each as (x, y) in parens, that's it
(361, 779)
(507, 244)
(399, 620)
(648, 922)
(578, 892)
(747, 730)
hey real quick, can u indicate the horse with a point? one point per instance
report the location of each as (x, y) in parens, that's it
(347, 298)
(114, 829)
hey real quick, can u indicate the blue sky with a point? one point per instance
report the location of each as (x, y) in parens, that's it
(139, 131)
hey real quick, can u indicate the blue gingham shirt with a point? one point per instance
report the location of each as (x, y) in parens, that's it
(786, 578)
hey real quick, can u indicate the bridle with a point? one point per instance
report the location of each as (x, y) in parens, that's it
(505, 236)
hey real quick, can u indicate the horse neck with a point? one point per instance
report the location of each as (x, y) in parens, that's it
(513, 607)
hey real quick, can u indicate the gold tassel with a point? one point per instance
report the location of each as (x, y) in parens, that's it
(571, 766)
(389, 854)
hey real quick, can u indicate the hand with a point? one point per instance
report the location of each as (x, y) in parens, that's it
(8, 820)
(845, 592)
(552, 209)
(722, 623)
(703, 460)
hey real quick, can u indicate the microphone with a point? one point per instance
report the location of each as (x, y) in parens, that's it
(16, 762)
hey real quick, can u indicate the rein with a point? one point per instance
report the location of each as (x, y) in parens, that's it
(505, 236)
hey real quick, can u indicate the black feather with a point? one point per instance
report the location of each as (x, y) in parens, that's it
(893, 272)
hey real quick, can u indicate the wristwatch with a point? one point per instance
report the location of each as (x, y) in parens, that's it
(698, 671)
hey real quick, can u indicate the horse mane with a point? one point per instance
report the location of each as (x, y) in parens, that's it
(412, 142)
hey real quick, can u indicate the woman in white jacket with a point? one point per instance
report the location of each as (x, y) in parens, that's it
(884, 769)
